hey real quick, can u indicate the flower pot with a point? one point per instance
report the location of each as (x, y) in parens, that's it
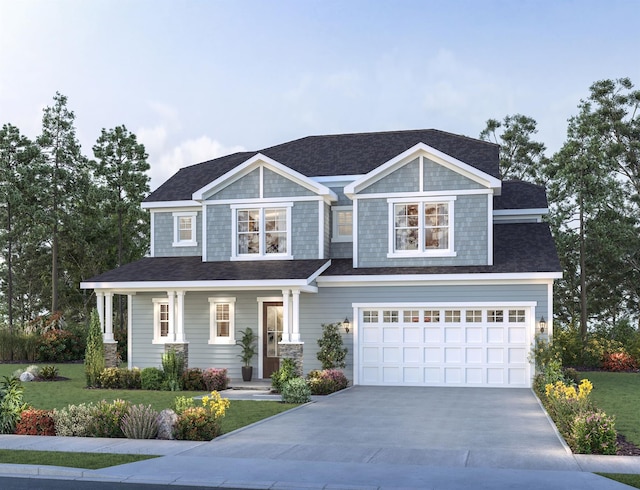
(247, 373)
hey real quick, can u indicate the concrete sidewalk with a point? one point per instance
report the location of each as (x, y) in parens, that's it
(440, 438)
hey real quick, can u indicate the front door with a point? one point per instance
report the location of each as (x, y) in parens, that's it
(271, 335)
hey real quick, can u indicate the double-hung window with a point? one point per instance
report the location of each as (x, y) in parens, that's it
(184, 229)
(262, 232)
(160, 320)
(222, 320)
(421, 227)
(342, 224)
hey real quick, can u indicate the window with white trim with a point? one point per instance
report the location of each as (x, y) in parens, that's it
(421, 227)
(184, 229)
(517, 316)
(160, 320)
(222, 320)
(474, 316)
(370, 316)
(495, 316)
(342, 224)
(431, 316)
(262, 232)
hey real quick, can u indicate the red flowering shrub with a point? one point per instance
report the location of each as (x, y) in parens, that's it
(215, 379)
(326, 381)
(34, 422)
(619, 361)
(59, 346)
(192, 380)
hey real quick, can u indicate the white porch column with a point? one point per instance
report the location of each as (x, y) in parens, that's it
(129, 331)
(171, 333)
(108, 317)
(180, 316)
(100, 308)
(295, 331)
(286, 315)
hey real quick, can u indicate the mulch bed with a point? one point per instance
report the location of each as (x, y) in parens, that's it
(626, 448)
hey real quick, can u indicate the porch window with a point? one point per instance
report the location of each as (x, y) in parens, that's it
(262, 233)
(184, 229)
(222, 320)
(160, 320)
(421, 228)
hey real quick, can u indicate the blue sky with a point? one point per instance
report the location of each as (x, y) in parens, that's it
(199, 79)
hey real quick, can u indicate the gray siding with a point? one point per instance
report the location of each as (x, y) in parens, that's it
(304, 233)
(404, 179)
(163, 237)
(329, 305)
(342, 199)
(439, 178)
(247, 187)
(218, 232)
(327, 230)
(275, 185)
(470, 234)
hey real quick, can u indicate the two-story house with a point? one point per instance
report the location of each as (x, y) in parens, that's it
(443, 271)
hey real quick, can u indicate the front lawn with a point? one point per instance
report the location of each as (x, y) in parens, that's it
(58, 394)
(88, 461)
(618, 394)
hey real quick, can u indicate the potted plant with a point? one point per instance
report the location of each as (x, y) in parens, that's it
(248, 344)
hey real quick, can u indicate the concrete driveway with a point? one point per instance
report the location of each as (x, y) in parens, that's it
(460, 427)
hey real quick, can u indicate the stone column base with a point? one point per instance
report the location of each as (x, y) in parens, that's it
(110, 354)
(293, 350)
(180, 349)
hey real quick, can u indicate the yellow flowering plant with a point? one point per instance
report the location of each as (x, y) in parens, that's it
(202, 423)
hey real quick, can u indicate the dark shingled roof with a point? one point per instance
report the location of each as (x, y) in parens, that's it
(160, 269)
(521, 247)
(517, 194)
(342, 154)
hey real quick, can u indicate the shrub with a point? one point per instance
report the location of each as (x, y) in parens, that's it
(594, 433)
(130, 379)
(192, 380)
(48, 373)
(11, 404)
(141, 422)
(59, 346)
(202, 423)
(94, 353)
(332, 353)
(34, 422)
(109, 379)
(619, 361)
(326, 381)
(564, 403)
(18, 346)
(286, 372)
(173, 366)
(107, 418)
(215, 379)
(296, 390)
(551, 374)
(74, 420)
(181, 403)
(151, 378)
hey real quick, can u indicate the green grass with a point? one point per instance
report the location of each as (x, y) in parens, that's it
(59, 394)
(89, 461)
(618, 394)
(631, 480)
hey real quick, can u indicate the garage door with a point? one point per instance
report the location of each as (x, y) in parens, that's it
(446, 346)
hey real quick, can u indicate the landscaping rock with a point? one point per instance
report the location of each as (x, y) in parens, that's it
(166, 422)
(27, 376)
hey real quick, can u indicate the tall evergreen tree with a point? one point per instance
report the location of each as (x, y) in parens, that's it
(65, 169)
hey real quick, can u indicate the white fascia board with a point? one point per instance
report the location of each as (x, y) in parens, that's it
(447, 304)
(169, 204)
(254, 162)
(336, 179)
(521, 212)
(141, 286)
(437, 279)
(433, 154)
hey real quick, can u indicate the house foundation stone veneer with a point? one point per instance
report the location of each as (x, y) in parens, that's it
(111, 354)
(180, 349)
(293, 351)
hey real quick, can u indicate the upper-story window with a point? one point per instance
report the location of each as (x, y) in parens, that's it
(421, 228)
(262, 232)
(342, 224)
(184, 229)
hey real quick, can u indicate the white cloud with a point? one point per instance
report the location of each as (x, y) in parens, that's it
(187, 153)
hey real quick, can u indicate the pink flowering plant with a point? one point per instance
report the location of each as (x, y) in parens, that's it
(594, 433)
(326, 381)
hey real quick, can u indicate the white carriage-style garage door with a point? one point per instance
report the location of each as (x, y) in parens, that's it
(444, 346)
